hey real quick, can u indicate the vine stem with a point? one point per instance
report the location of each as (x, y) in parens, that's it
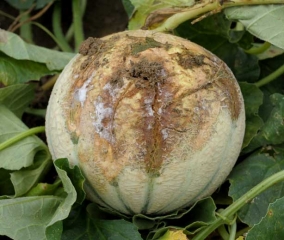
(26, 29)
(233, 231)
(70, 31)
(32, 18)
(232, 209)
(21, 136)
(50, 83)
(223, 232)
(78, 23)
(56, 25)
(259, 50)
(36, 112)
(270, 77)
(48, 33)
(206, 8)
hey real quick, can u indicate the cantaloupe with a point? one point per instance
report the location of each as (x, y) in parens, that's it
(154, 121)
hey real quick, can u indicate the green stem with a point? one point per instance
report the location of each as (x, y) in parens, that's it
(70, 31)
(196, 10)
(7, 15)
(258, 50)
(205, 8)
(21, 136)
(78, 23)
(57, 30)
(233, 230)
(49, 33)
(238, 204)
(223, 232)
(50, 83)
(44, 189)
(270, 77)
(36, 112)
(26, 29)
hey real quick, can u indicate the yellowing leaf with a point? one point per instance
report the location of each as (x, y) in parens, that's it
(150, 13)
(240, 238)
(174, 235)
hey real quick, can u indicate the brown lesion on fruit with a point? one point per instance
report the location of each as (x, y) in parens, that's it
(142, 44)
(231, 94)
(73, 119)
(74, 103)
(117, 80)
(94, 48)
(163, 123)
(188, 60)
(217, 76)
(91, 46)
(147, 73)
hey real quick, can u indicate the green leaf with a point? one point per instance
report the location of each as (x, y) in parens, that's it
(20, 4)
(25, 179)
(210, 34)
(54, 60)
(216, 24)
(55, 231)
(13, 71)
(76, 177)
(264, 21)
(129, 8)
(271, 52)
(28, 217)
(81, 225)
(268, 66)
(21, 154)
(253, 98)
(29, 156)
(64, 209)
(201, 214)
(17, 97)
(191, 220)
(271, 226)
(38, 218)
(273, 129)
(249, 173)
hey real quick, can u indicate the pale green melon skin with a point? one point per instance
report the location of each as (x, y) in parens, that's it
(125, 183)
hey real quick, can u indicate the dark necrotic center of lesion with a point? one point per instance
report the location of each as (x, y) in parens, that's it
(147, 74)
